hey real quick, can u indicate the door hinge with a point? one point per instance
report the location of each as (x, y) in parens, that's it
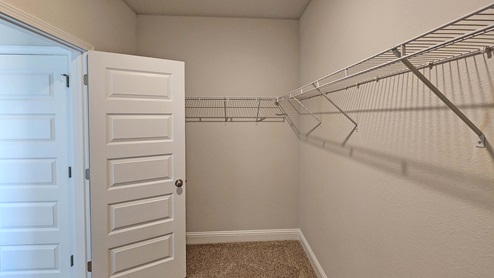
(67, 80)
(72, 260)
(86, 79)
(70, 172)
(88, 174)
(90, 266)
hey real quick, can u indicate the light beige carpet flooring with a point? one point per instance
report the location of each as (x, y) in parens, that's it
(271, 259)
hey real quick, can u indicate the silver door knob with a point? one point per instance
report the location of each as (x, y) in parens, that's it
(179, 183)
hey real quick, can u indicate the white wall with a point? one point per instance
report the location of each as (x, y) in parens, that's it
(241, 176)
(410, 195)
(108, 25)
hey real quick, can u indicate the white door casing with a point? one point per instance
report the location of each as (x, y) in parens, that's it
(137, 151)
(34, 160)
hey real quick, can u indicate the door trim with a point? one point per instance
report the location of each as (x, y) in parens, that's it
(39, 27)
(80, 162)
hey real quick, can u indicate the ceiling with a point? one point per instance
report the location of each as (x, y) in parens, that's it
(279, 9)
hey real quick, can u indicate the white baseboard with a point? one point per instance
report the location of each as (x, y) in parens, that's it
(242, 236)
(312, 257)
(258, 235)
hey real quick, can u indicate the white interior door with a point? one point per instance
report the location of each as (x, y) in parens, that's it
(34, 181)
(137, 152)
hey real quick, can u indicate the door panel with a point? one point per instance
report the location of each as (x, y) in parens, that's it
(34, 183)
(137, 151)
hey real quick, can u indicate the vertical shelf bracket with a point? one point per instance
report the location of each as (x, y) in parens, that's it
(312, 114)
(316, 85)
(258, 108)
(224, 108)
(289, 121)
(443, 98)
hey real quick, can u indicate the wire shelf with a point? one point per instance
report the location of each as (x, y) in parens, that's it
(232, 109)
(467, 36)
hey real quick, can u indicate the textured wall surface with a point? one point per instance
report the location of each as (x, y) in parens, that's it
(241, 176)
(108, 25)
(409, 195)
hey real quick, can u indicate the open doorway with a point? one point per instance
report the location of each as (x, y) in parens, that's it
(135, 109)
(42, 195)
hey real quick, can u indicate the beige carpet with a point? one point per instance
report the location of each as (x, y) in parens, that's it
(272, 259)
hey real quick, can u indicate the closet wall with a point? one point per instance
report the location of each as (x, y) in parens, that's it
(241, 176)
(409, 195)
(108, 25)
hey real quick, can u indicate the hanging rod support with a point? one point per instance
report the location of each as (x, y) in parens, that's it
(444, 99)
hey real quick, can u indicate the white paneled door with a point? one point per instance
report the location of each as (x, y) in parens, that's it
(34, 181)
(137, 166)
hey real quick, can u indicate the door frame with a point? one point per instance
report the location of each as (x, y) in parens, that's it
(76, 50)
(24, 20)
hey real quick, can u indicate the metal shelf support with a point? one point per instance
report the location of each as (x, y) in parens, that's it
(224, 109)
(289, 121)
(443, 98)
(316, 85)
(312, 114)
(258, 109)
